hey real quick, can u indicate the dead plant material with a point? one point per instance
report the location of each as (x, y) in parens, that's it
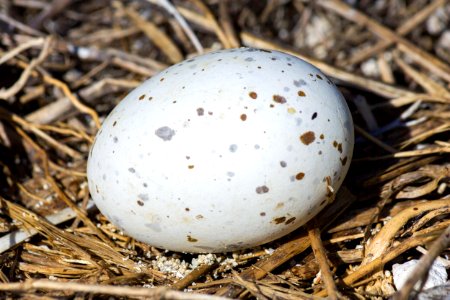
(64, 65)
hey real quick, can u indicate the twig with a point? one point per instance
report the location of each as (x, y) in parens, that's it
(16, 237)
(187, 29)
(384, 237)
(424, 265)
(403, 29)
(192, 276)
(321, 257)
(425, 59)
(7, 94)
(156, 35)
(22, 27)
(374, 140)
(21, 47)
(154, 293)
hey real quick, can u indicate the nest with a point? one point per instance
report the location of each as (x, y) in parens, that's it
(65, 64)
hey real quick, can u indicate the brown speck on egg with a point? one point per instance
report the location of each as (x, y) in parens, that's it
(308, 137)
(301, 93)
(191, 167)
(243, 117)
(289, 221)
(150, 98)
(323, 202)
(162, 79)
(322, 136)
(253, 95)
(140, 203)
(187, 209)
(335, 144)
(279, 220)
(314, 116)
(300, 176)
(199, 217)
(262, 189)
(279, 99)
(339, 147)
(191, 239)
(115, 123)
(344, 161)
(262, 214)
(318, 76)
(200, 111)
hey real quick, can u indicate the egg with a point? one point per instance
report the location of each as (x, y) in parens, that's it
(222, 152)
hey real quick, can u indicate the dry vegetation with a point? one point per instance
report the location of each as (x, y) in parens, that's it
(65, 64)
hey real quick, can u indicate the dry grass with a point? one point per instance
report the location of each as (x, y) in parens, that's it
(65, 64)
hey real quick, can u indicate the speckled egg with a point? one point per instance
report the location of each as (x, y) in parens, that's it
(221, 152)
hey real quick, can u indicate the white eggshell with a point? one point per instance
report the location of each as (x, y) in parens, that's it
(221, 152)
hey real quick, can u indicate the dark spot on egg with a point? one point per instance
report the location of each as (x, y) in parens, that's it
(301, 93)
(314, 116)
(322, 136)
(289, 221)
(253, 95)
(165, 133)
(142, 97)
(323, 202)
(233, 148)
(115, 123)
(140, 203)
(150, 98)
(279, 99)
(190, 167)
(199, 217)
(249, 59)
(131, 170)
(344, 161)
(335, 144)
(115, 139)
(308, 137)
(190, 239)
(262, 214)
(300, 176)
(279, 220)
(299, 83)
(187, 209)
(339, 148)
(200, 111)
(243, 117)
(283, 164)
(162, 79)
(318, 76)
(262, 189)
